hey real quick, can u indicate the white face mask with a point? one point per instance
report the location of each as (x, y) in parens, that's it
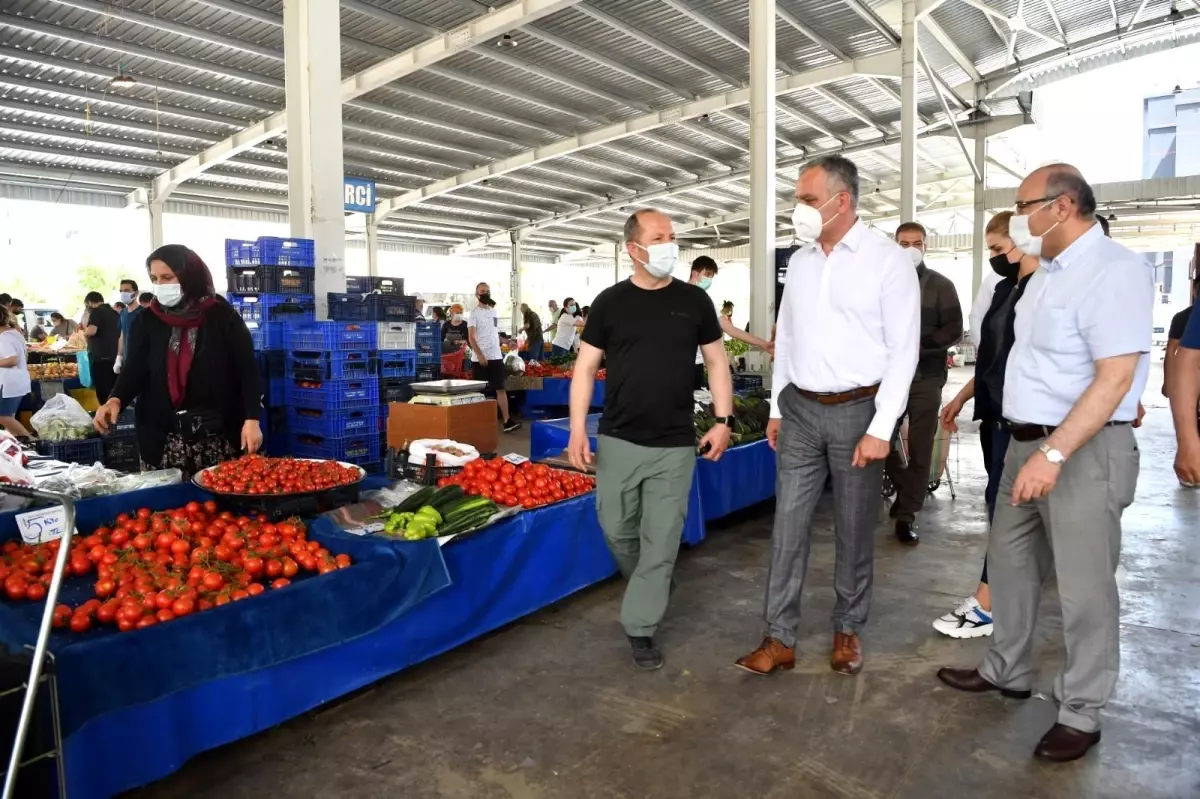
(807, 220)
(168, 294)
(916, 254)
(1023, 238)
(661, 258)
(127, 297)
(456, 318)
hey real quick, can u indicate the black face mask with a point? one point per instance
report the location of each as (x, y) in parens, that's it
(1002, 267)
(485, 298)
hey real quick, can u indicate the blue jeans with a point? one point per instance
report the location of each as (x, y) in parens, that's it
(994, 438)
(557, 351)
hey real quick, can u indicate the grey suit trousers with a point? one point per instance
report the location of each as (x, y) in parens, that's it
(816, 441)
(1081, 521)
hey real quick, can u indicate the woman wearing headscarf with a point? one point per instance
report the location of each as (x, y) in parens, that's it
(192, 370)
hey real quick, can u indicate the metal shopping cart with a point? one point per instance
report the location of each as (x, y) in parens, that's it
(41, 668)
(939, 467)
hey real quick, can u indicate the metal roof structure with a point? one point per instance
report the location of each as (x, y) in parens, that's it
(552, 127)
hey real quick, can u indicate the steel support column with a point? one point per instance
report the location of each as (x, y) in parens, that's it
(908, 110)
(762, 166)
(312, 71)
(617, 246)
(155, 211)
(978, 245)
(514, 279)
(372, 246)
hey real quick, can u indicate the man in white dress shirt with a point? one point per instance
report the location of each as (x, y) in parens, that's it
(845, 354)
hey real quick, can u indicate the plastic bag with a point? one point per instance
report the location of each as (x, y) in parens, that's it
(417, 450)
(62, 419)
(514, 364)
(12, 470)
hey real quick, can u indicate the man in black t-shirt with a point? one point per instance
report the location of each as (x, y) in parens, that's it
(1178, 324)
(647, 328)
(103, 332)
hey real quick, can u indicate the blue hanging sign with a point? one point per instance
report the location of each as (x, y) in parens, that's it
(359, 194)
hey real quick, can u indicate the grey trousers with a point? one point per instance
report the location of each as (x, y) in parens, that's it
(816, 441)
(641, 499)
(912, 482)
(1081, 521)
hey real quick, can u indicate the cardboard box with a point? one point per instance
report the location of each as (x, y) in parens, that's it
(522, 383)
(476, 424)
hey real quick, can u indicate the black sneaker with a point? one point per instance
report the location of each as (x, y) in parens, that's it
(511, 425)
(646, 656)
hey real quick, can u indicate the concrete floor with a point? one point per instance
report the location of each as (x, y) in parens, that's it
(550, 707)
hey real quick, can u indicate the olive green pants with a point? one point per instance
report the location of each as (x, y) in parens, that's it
(641, 498)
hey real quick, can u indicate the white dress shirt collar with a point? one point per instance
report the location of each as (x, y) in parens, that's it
(1075, 251)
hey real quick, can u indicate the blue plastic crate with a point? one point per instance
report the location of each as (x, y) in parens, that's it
(398, 389)
(334, 394)
(274, 307)
(262, 279)
(330, 336)
(429, 359)
(287, 252)
(371, 307)
(239, 252)
(397, 363)
(322, 422)
(86, 450)
(747, 382)
(266, 335)
(361, 448)
(337, 365)
(275, 392)
(126, 423)
(356, 284)
(271, 364)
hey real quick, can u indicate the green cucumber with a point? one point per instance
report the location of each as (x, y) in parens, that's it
(467, 522)
(445, 498)
(466, 506)
(415, 500)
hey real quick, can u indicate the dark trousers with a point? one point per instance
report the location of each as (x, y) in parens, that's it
(699, 380)
(912, 483)
(993, 438)
(103, 378)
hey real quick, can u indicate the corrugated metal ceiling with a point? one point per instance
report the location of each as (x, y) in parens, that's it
(205, 70)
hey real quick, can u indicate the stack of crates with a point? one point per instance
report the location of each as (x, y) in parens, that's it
(274, 414)
(332, 392)
(121, 445)
(429, 351)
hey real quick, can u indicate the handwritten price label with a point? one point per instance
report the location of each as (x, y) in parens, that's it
(40, 526)
(515, 459)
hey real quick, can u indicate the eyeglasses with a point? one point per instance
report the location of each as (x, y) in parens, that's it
(1021, 205)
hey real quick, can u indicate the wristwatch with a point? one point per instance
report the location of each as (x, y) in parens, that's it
(1052, 455)
(725, 420)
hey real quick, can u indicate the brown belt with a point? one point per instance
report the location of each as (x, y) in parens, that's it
(841, 396)
(1036, 432)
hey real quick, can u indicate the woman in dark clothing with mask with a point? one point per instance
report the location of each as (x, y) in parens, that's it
(973, 618)
(191, 368)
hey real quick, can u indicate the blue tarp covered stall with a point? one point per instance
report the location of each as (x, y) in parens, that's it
(216, 677)
(556, 393)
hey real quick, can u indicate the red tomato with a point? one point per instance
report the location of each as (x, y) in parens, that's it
(105, 588)
(290, 567)
(280, 583)
(212, 581)
(182, 607)
(192, 507)
(274, 568)
(164, 541)
(80, 622)
(254, 566)
(165, 615)
(180, 547)
(254, 589)
(342, 560)
(36, 592)
(107, 613)
(210, 507)
(146, 621)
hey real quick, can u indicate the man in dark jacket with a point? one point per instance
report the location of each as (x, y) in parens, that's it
(941, 328)
(103, 331)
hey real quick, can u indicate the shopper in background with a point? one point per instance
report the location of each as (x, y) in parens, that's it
(727, 311)
(119, 307)
(129, 296)
(647, 328)
(483, 333)
(5, 301)
(531, 325)
(17, 308)
(553, 306)
(564, 336)
(419, 306)
(63, 327)
(14, 374)
(1079, 362)
(704, 269)
(454, 332)
(848, 335)
(941, 328)
(192, 370)
(145, 299)
(103, 331)
(973, 616)
(1179, 323)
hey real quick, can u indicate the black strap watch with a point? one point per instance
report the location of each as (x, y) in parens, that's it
(725, 420)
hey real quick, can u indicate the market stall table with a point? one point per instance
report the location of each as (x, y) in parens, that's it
(497, 576)
(556, 393)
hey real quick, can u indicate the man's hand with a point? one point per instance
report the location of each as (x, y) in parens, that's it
(252, 437)
(770, 348)
(950, 414)
(1187, 464)
(579, 451)
(717, 441)
(870, 449)
(117, 366)
(1035, 480)
(1141, 414)
(773, 432)
(106, 416)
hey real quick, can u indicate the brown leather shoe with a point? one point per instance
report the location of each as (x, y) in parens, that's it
(770, 656)
(971, 681)
(847, 654)
(1063, 744)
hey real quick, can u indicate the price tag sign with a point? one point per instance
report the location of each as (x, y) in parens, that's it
(515, 459)
(40, 526)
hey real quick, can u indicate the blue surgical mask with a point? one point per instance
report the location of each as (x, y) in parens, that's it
(573, 308)
(704, 283)
(127, 297)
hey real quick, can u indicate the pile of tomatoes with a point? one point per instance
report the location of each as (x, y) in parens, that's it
(256, 474)
(155, 567)
(529, 485)
(538, 369)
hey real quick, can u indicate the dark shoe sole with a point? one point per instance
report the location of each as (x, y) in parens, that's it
(1007, 693)
(648, 666)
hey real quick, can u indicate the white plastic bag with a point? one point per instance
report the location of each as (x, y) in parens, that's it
(513, 364)
(12, 470)
(62, 419)
(417, 450)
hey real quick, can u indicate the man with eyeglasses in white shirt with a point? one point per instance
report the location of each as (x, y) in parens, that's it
(846, 350)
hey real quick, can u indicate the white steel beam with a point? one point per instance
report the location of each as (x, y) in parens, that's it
(762, 164)
(908, 110)
(258, 14)
(605, 61)
(412, 60)
(882, 64)
(952, 49)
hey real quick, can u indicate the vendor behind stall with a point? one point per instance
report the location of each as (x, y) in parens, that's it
(14, 374)
(191, 369)
(454, 332)
(63, 328)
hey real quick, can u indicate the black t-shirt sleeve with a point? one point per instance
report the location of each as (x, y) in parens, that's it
(594, 331)
(1179, 324)
(710, 328)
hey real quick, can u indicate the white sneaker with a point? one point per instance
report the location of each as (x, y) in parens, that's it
(968, 620)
